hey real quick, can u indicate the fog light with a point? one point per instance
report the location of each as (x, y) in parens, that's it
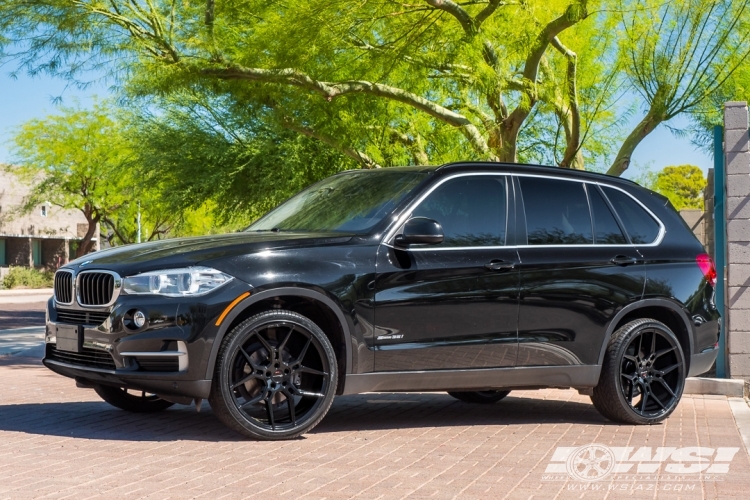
(139, 319)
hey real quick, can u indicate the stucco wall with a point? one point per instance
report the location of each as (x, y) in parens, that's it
(58, 223)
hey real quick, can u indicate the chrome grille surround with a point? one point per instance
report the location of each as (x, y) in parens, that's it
(63, 287)
(97, 288)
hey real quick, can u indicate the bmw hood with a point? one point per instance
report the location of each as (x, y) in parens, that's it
(183, 252)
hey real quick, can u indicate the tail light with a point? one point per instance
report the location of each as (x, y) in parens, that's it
(706, 265)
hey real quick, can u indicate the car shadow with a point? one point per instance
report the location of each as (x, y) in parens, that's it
(20, 318)
(364, 412)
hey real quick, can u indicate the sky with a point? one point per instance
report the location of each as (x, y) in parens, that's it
(25, 98)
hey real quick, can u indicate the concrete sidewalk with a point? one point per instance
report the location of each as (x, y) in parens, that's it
(58, 441)
(25, 296)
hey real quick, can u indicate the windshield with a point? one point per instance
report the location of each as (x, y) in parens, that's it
(352, 202)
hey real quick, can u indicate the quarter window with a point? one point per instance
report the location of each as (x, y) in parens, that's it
(557, 212)
(472, 211)
(606, 229)
(640, 226)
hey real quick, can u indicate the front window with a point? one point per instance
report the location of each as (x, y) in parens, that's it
(472, 211)
(353, 202)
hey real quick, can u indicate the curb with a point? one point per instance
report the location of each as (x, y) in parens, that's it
(715, 386)
(26, 291)
(741, 412)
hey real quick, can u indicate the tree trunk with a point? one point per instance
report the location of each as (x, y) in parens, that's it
(657, 113)
(645, 127)
(86, 244)
(503, 141)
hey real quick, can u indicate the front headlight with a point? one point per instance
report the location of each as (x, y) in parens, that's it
(185, 282)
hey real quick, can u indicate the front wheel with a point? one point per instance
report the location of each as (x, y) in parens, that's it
(481, 397)
(643, 374)
(275, 376)
(135, 401)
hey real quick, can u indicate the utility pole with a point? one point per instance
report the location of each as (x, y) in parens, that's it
(138, 221)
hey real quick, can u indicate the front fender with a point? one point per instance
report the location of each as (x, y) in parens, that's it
(294, 291)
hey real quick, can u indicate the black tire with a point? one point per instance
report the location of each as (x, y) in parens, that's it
(275, 376)
(641, 384)
(480, 397)
(135, 402)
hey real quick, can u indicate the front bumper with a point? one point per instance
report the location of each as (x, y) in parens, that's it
(168, 355)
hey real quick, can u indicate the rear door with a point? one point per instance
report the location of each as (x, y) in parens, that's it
(577, 270)
(453, 305)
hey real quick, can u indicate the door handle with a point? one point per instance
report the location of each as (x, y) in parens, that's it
(499, 265)
(623, 260)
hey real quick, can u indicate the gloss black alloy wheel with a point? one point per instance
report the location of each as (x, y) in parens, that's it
(132, 400)
(643, 374)
(479, 397)
(275, 376)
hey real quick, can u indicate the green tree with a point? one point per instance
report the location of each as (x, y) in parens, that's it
(214, 157)
(683, 185)
(381, 82)
(386, 82)
(80, 159)
(68, 160)
(678, 56)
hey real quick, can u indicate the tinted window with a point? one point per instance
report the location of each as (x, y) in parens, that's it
(472, 211)
(606, 229)
(641, 227)
(557, 212)
(350, 202)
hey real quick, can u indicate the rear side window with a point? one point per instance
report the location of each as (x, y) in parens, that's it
(606, 229)
(641, 227)
(557, 212)
(471, 209)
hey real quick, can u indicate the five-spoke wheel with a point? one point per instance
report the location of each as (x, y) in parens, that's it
(276, 376)
(643, 374)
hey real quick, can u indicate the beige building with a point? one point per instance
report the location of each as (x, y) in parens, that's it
(46, 237)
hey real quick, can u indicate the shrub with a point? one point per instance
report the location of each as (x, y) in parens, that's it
(25, 277)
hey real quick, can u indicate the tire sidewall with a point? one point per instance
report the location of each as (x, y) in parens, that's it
(223, 367)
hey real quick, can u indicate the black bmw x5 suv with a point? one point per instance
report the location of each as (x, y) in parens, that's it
(471, 278)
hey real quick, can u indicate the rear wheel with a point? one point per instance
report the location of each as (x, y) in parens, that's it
(275, 376)
(131, 400)
(481, 397)
(643, 374)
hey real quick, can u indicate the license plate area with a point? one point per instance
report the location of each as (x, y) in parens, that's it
(69, 338)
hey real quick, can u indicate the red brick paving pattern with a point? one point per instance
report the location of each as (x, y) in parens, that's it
(57, 441)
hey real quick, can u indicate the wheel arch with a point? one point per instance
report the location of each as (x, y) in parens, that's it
(313, 304)
(667, 311)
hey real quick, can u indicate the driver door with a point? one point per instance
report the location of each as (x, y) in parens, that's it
(452, 305)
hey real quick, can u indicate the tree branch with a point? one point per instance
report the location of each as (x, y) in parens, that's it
(455, 10)
(109, 222)
(331, 90)
(360, 157)
(571, 111)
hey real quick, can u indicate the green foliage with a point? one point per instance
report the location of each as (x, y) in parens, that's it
(227, 108)
(74, 160)
(683, 185)
(25, 277)
(206, 157)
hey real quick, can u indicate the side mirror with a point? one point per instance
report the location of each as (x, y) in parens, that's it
(420, 230)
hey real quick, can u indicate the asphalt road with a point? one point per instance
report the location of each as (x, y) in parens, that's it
(21, 315)
(22, 329)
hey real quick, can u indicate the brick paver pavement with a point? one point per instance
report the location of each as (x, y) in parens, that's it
(57, 441)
